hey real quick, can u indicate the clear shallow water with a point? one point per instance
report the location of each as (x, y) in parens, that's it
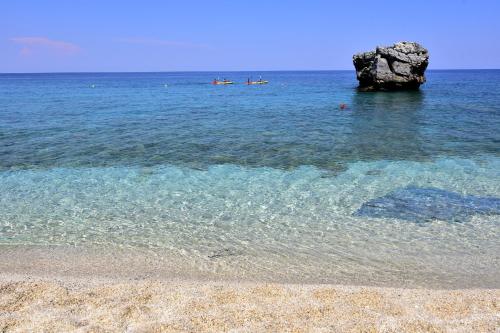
(252, 181)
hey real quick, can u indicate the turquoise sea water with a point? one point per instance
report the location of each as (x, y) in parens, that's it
(252, 178)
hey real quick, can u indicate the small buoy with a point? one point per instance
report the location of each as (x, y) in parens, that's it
(343, 106)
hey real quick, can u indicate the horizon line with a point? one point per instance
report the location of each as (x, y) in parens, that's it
(232, 71)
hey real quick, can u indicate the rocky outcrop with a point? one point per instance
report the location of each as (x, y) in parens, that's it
(398, 67)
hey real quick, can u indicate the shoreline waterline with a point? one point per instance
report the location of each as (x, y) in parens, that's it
(114, 264)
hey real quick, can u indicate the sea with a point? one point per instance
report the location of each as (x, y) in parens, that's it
(258, 182)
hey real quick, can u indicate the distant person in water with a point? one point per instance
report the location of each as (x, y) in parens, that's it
(343, 106)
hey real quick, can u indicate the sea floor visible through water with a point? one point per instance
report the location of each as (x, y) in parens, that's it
(235, 223)
(164, 176)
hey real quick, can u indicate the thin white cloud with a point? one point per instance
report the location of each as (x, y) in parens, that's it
(30, 43)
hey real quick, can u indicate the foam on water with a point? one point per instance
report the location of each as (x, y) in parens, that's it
(262, 222)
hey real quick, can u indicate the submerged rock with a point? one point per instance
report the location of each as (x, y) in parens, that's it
(224, 253)
(423, 204)
(398, 67)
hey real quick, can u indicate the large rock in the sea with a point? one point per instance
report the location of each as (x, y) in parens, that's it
(398, 67)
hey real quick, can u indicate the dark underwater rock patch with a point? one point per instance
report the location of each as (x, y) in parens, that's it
(224, 253)
(423, 204)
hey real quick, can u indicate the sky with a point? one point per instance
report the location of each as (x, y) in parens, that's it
(220, 35)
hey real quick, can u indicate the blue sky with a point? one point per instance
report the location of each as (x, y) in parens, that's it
(147, 35)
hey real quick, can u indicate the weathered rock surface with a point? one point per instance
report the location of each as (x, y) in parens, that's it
(398, 67)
